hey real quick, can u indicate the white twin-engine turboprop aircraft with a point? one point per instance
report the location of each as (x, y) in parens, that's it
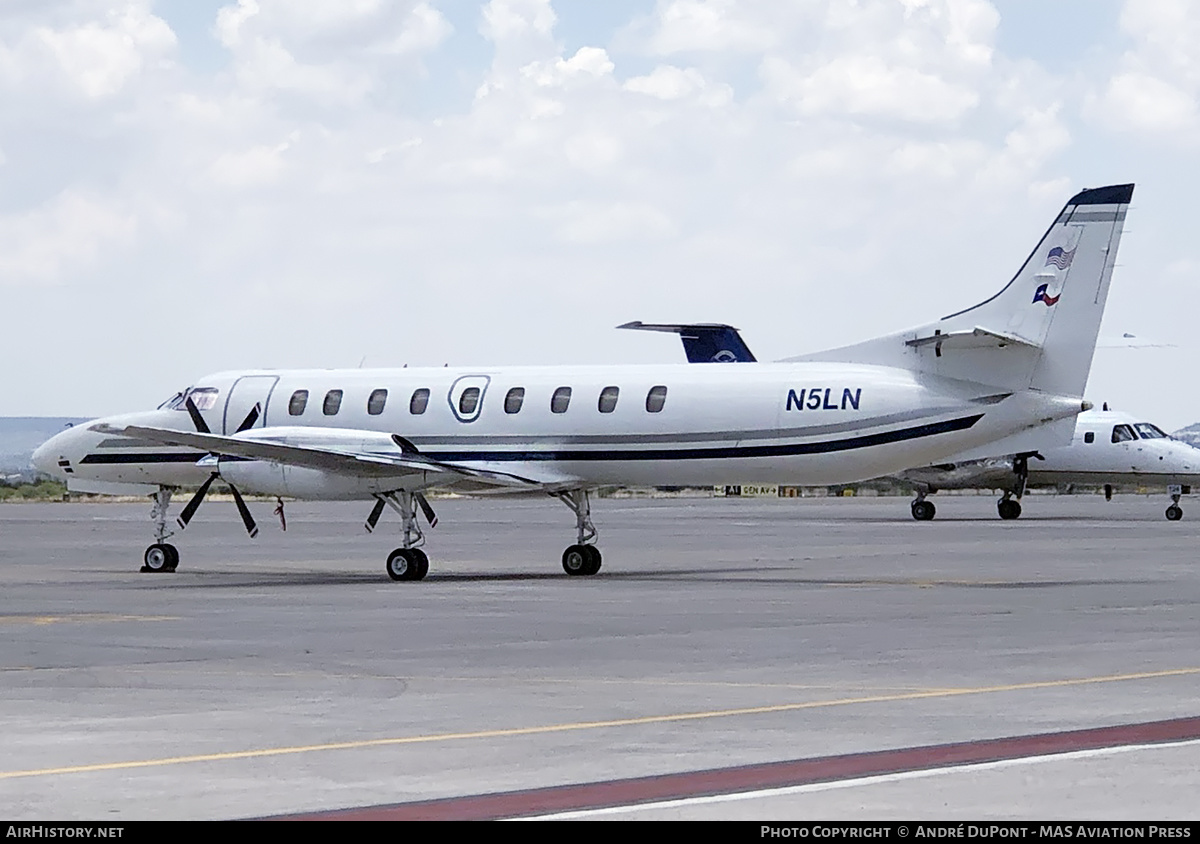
(1005, 376)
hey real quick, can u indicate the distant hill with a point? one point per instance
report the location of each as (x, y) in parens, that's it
(20, 435)
(1190, 434)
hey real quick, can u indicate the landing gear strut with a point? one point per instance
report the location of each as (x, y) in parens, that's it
(407, 562)
(582, 558)
(161, 556)
(1007, 506)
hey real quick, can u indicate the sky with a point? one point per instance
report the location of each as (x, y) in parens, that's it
(189, 186)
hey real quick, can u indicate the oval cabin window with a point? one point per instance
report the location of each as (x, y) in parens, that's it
(514, 399)
(298, 402)
(608, 399)
(418, 402)
(333, 403)
(656, 398)
(468, 401)
(376, 402)
(561, 400)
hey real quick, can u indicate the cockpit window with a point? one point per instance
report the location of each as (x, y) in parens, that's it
(203, 397)
(1149, 432)
(1122, 433)
(173, 403)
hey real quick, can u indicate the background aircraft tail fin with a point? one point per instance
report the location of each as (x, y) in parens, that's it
(703, 342)
(1039, 331)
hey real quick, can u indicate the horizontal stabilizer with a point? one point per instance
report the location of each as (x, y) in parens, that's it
(976, 338)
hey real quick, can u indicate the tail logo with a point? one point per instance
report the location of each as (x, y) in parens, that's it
(1043, 296)
(1060, 258)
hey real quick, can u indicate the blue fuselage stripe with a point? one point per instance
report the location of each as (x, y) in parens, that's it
(616, 455)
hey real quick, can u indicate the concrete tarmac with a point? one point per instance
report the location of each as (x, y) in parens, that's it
(289, 675)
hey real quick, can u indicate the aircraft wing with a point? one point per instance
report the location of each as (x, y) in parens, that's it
(343, 461)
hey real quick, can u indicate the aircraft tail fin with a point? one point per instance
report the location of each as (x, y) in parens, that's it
(1039, 331)
(703, 342)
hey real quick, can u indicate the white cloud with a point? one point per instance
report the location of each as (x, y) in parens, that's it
(613, 222)
(587, 62)
(860, 85)
(258, 165)
(667, 82)
(95, 57)
(1155, 91)
(504, 20)
(710, 26)
(70, 233)
(1146, 104)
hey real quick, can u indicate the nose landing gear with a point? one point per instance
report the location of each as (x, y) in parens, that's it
(161, 556)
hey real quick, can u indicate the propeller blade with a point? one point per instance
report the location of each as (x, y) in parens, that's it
(197, 419)
(430, 516)
(192, 506)
(250, 419)
(376, 512)
(244, 511)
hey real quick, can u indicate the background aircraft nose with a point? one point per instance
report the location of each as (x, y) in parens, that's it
(44, 459)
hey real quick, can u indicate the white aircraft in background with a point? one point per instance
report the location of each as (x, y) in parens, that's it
(1109, 449)
(1004, 376)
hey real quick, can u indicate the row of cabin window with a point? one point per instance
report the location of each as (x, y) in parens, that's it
(468, 402)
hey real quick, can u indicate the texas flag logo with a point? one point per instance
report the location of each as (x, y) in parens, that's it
(1043, 296)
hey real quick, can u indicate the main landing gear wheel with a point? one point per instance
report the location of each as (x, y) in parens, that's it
(407, 564)
(160, 557)
(923, 511)
(581, 560)
(1008, 508)
(1174, 513)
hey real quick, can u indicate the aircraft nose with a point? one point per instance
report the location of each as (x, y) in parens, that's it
(43, 458)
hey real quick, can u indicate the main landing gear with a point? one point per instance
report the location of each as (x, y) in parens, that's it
(1175, 512)
(161, 556)
(408, 562)
(922, 510)
(1008, 507)
(582, 558)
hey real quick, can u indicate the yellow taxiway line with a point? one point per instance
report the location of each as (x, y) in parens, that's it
(588, 725)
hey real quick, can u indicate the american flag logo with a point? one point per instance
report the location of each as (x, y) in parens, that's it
(1060, 257)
